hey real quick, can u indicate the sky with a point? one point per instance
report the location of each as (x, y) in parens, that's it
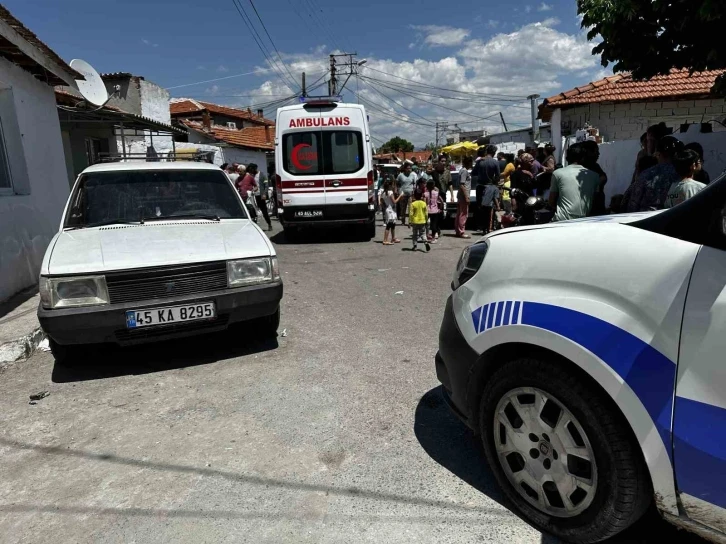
(424, 63)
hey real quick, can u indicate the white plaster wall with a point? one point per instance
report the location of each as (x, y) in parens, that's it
(155, 105)
(28, 222)
(618, 159)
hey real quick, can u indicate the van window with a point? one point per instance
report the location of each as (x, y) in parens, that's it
(322, 152)
(301, 153)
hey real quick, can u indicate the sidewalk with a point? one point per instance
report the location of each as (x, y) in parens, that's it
(20, 332)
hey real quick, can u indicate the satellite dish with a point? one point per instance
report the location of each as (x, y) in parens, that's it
(92, 88)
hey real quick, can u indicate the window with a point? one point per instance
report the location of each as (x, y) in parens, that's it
(322, 152)
(6, 180)
(131, 196)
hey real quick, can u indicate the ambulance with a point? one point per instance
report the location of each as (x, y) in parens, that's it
(590, 358)
(324, 167)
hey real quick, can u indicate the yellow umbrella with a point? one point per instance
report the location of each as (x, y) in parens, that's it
(460, 148)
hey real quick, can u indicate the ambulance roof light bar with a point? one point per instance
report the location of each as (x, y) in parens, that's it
(320, 100)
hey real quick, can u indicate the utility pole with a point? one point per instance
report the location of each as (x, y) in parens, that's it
(535, 123)
(304, 88)
(502, 118)
(333, 80)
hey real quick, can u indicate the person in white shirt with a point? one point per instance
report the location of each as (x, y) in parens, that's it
(685, 164)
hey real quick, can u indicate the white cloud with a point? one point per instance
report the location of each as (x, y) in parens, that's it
(214, 89)
(544, 7)
(150, 44)
(201, 67)
(527, 8)
(443, 36)
(222, 68)
(491, 23)
(532, 59)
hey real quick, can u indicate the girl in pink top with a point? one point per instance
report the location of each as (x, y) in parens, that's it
(435, 205)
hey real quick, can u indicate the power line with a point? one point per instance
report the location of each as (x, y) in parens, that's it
(505, 96)
(486, 101)
(429, 101)
(400, 105)
(272, 42)
(258, 40)
(212, 80)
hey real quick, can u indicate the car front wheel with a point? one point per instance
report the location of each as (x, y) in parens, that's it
(561, 452)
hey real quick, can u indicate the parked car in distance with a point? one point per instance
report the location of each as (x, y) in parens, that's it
(588, 355)
(150, 251)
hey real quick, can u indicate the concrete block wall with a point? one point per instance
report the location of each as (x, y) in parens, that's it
(624, 121)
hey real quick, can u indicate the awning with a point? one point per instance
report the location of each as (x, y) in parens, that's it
(461, 148)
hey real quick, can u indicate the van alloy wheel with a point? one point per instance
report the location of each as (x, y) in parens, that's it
(544, 452)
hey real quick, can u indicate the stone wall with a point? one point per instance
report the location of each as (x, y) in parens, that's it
(625, 121)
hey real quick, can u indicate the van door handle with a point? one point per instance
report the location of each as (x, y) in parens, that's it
(335, 183)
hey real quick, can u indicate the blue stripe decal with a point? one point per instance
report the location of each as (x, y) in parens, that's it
(515, 313)
(500, 312)
(476, 318)
(490, 318)
(649, 373)
(507, 312)
(700, 450)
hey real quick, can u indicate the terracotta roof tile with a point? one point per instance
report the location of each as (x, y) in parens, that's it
(622, 88)
(252, 137)
(186, 106)
(421, 156)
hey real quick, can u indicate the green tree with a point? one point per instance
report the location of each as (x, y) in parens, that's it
(395, 145)
(429, 146)
(649, 37)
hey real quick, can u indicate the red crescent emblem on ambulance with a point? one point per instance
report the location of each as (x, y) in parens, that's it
(296, 160)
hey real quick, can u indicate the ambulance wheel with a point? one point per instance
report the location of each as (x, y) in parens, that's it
(561, 452)
(292, 234)
(370, 233)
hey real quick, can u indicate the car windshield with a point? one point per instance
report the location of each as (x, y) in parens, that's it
(145, 195)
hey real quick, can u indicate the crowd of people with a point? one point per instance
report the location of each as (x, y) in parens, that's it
(667, 172)
(252, 184)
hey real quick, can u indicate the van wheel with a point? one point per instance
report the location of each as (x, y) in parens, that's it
(292, 234)
(370, 232)
(561, 453)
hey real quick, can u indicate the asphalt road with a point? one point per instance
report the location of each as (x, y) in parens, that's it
(335, 432)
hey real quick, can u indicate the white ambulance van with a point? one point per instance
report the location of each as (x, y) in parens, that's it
(324, 167)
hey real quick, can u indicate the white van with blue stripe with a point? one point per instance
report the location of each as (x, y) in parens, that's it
(590, 356)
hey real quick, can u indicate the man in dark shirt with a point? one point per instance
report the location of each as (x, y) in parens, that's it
(487, 172)
(502, 160)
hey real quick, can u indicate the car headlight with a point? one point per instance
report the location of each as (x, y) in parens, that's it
(251, 271)
(73, 291)
(469, 264)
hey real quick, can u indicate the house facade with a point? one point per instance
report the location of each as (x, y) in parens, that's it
(33, 175)
(214, 114)
(622, 108)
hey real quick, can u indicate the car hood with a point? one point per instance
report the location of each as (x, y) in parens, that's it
(619, 218)
(121, 247)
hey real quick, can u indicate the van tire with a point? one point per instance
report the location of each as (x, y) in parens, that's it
(269, 324)
(292, 234)
(623, 492)
(370, 232)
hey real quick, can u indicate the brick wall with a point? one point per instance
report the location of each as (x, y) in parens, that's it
(626, 121)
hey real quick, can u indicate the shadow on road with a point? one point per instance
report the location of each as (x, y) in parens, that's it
(108, 361)
(455, 447)
(342, 234)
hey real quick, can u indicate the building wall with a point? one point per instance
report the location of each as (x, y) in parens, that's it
(129, 97)
(74, 145)
(524, 135)
(29, 221)
(624, 121)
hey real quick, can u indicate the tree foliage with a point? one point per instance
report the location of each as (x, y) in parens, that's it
(649, 37)
(429, 146)
(396, 145)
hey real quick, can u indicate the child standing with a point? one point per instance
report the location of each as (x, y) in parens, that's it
(417, 217)
(388, 205)
(435, 204)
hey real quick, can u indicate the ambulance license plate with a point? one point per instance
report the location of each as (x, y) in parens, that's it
(309, 213)
(170, 314)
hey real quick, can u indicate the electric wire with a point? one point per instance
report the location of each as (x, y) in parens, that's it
(273, 43)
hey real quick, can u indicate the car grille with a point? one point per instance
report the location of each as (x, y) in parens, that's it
(166, 282)
(131, 336)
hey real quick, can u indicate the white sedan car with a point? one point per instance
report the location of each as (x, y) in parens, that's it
(589, 357)
(152, 251)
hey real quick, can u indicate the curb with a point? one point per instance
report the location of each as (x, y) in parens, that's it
(22, 348)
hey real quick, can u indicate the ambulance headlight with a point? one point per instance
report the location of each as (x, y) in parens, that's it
(469, 263)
